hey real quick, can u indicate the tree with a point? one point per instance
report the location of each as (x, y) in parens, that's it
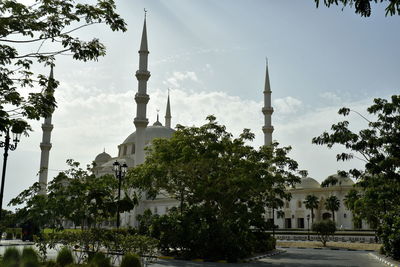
(379, 182)
(73, 195)
(363, 7)
(311, 203)
(36, 35)
(332, 204)
(223, 187)
(324, 230)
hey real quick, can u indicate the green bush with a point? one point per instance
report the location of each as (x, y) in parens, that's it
(324, 230)
(29, 258)
(270, 244)
(29, 253)
(18, 235)
(11, 257)
(64, 257)
(100, 260)
(9, 234)
(130, 260)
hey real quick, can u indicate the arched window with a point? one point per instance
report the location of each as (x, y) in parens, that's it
(299, 204)
(287, 204)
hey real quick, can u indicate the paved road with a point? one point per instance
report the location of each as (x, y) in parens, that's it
(294, 257)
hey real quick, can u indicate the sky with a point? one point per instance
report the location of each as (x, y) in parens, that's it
(212, 56)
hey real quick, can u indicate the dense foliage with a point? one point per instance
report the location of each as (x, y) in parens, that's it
(377, 199)
(86, 243)
(363, 7)
(33, 36)
(74, 195)
(332, 203)
(311, 203)
(324, 229)
(223, 187)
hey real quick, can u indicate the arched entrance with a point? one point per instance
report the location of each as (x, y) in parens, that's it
(326, 216)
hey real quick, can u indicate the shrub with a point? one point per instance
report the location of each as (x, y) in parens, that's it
(29, 258)
(130, 260)
(324, 229)
(9, 234)
(100, 260)
(29, 254)
(11, 257)
(64, 257)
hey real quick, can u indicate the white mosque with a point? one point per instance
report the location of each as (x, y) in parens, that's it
(132, 152)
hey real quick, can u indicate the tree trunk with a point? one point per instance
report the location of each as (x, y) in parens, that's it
(312, 216)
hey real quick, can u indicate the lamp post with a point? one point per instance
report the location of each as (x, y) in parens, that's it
(308, 226)
(7, 146)
(120, 171)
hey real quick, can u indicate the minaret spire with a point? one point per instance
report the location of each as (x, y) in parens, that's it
(45, 145)
(141, 97)
(168, 113)
(267, 110)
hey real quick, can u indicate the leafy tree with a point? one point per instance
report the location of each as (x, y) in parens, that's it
(222, 184)
(332, 204)
(379, 183)
(363, 7)
(36, 34)
(74, 195)
(324, 230)
(330, 181)
(311, 203)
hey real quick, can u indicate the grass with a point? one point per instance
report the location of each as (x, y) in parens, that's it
(48, 230)
(315, 244)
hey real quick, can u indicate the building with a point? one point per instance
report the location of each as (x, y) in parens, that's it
(295, 214)
(132, 152)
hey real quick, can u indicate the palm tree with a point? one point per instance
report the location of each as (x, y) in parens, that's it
(311, 203)
(332, 204)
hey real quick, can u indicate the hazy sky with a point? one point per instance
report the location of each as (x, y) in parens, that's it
(212, 56)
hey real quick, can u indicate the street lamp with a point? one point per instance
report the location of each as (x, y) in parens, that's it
(120, 171)
(308, 226)
(7, 146)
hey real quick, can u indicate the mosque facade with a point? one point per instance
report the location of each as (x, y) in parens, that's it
(132, 152)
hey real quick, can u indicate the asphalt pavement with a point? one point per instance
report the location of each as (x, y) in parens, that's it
(294, 257)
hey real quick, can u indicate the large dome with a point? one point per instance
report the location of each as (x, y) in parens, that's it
(307, 182)
(341, 180)
(102, 157)
(151, 132)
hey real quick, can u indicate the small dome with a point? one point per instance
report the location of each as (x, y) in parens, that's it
(150, 133)
(102, 157)
(341, 180)
(307, 182)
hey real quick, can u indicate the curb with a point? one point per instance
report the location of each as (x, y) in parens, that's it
(388, 263)
(327, 248)
(276, 252)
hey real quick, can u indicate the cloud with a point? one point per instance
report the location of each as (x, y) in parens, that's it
(178, 76)
(88, 120)
(287, 105)
(332, 97)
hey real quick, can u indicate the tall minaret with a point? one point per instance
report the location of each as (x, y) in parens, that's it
(267, 110)
(45, 147)
(168, 114)
(141, 98)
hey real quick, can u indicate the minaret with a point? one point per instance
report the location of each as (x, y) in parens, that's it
(168, 114)
(141, 98)
(267, 110)
(45, 147)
